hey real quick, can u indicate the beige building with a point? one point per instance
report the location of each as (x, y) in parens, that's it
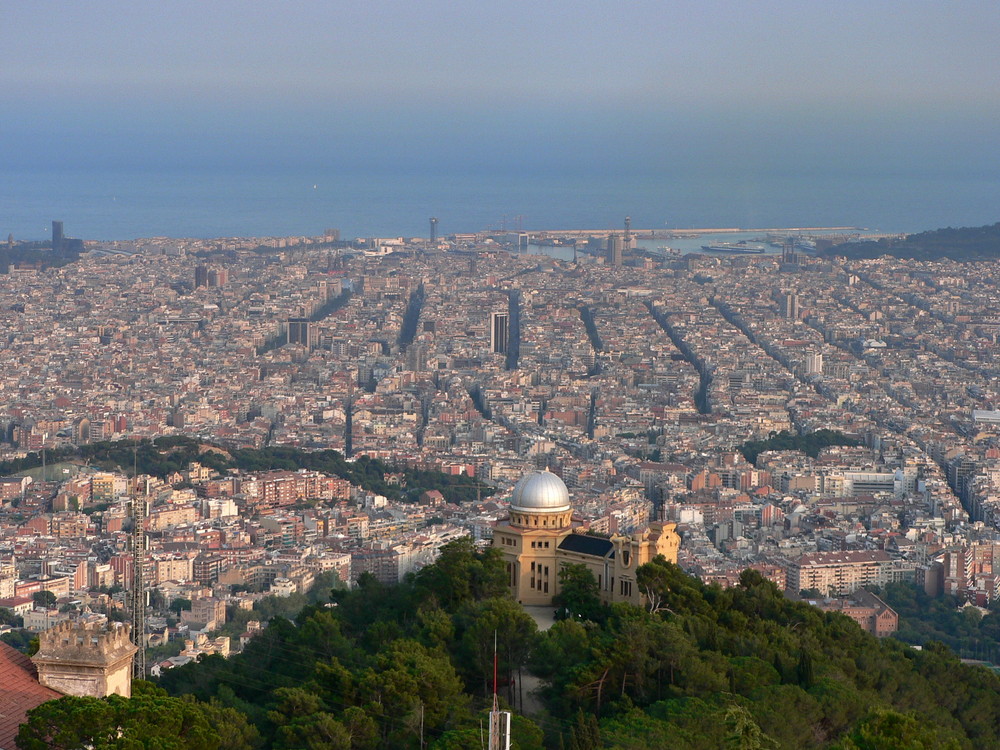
(836, 573)
(86, 660)
(539, 538)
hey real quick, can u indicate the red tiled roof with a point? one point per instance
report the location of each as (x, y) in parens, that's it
(19, 692)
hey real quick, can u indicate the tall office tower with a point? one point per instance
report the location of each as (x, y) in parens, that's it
(299, 330)
(614, 250)
(499, 331)
(627, 242)
(790, 306)
(200, 276)
(218, 277)
(434, 229)
(814, 363)
(57, 237)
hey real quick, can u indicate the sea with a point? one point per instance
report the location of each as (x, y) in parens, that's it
(123, 205)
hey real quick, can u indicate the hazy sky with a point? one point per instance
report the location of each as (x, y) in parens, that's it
(755, 86)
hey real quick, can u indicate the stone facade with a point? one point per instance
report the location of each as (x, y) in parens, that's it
(539, 537)
(86, 659)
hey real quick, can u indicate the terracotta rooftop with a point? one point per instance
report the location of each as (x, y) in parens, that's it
(19, 693)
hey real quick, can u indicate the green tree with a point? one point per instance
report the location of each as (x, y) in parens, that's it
(149, 719)
(303, 722)
(44, 599)
(462, 574)
(7, 617)
(585, 734)
(498, 623)
(743, 733)
(410, 686)
(891, 730)
(179, 604)
(22, 640)
(579, 596)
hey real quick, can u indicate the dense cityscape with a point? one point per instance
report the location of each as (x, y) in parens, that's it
(657, 387)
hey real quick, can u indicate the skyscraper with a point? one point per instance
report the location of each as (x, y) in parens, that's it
(200, 276)
(218, 277)
(814, 363)
(434, 229)
(790, 306)
(57, 237)
(499, 332)
(614, 250)
(299, 331)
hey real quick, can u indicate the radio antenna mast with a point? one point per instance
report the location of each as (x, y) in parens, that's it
(138, 598)
(499, 720)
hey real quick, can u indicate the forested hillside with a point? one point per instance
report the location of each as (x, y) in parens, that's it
(700, 667)
(961, 244)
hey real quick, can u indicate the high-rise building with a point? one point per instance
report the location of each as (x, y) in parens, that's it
(299, 331)
(434, 229)
(200, 276)
(218, 277)
(499, 332)
(790, 306)
(814, 363)
(57, 237)
(615, 251)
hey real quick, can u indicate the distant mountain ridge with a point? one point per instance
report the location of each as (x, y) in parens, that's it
(962, 244)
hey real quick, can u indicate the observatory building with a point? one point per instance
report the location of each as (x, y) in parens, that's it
(539, 537)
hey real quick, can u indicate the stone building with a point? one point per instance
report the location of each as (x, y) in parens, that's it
(539, 537)
(86, 659)
(867, 610)
(73, 659)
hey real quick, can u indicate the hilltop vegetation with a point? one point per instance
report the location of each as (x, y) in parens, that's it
(701, 667)
(963, 628)
(961, 244)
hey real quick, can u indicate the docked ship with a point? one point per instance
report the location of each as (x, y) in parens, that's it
(740, 248)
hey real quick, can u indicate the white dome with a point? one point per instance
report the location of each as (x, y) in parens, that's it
(540, 492)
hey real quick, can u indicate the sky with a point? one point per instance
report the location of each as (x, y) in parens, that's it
(775, 86)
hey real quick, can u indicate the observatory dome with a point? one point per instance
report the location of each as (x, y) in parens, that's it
(540, 492)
